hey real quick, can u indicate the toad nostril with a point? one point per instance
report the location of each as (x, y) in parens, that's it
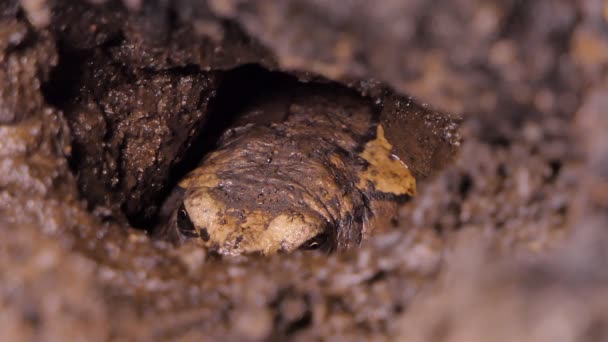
(204, 233)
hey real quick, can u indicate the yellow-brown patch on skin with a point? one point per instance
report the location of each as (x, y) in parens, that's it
(261, 232)
(386, 172)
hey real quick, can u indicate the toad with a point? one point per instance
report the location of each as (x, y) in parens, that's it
(315, 179)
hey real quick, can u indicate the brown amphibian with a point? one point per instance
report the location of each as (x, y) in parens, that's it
(317, 179)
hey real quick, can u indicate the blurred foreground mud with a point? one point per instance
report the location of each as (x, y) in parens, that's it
(104, 107)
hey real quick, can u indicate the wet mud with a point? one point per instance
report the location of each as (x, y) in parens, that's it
(109, 108)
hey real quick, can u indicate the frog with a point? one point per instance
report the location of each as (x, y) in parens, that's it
(317, 179)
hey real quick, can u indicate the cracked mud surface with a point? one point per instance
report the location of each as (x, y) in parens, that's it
(80, 159)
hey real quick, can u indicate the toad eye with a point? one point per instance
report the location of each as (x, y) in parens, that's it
(316, 242)
(184, 224)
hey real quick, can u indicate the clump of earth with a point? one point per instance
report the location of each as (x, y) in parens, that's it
(303, 170)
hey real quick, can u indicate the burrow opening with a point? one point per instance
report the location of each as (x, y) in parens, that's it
(114, 110)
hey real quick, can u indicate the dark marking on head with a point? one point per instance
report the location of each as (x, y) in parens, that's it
(204, 234)
(348, 233)
(394, 221)
(237, 242)
(377, 195)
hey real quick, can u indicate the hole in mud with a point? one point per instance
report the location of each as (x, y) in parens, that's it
(278, 151)
(300, 164)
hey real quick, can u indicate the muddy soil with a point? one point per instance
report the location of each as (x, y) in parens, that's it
(106, 105)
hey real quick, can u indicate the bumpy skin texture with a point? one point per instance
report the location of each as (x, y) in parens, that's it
(318, 179)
